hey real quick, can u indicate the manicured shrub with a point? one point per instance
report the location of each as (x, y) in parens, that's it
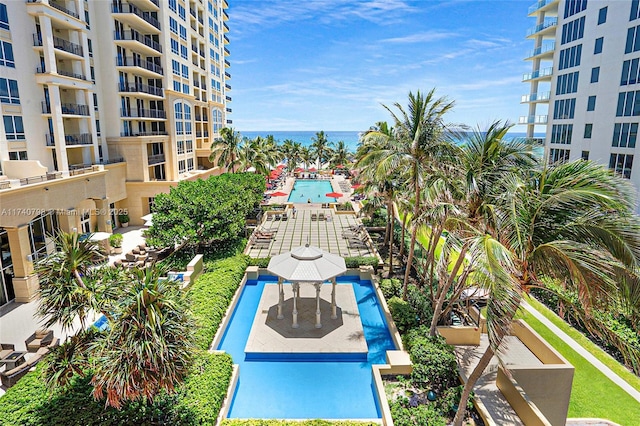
(421, 303)
(434, 364)
(404, 414)
(260, 262)
(357, 261)
(402, 313)
(391, 288)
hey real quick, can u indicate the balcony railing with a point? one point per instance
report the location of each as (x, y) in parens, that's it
(533, 119)
(227, 63)
(78, 139)
(226, 27)
(544, 72)
(131, 133)
(129, 8)
(227, 86)
(134, 61)
(228, 75)
(542, 96)
(226, 51)
(196, 83)
(140, 87)
(57, 6)
(142, 112)
(228, 98)
(229, 110)
(156, 159)
(72, 75)
(540, 4)
(60, 43)
(133, 35)
(72, 109)
(549, 47)
(551, 22)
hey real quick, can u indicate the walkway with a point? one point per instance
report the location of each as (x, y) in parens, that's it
(583, 352)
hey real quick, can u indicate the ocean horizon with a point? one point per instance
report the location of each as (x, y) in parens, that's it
(349, 137)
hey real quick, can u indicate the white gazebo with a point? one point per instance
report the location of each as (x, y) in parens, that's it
(306, 265)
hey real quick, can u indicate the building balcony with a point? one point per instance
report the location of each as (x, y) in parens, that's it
(535, 97)
(140, 66)
(43, 70)
(226, 27)
(541, 5)
(67, 109)
(227, 63)
(140, 88)
(227, 75)
(132, 133)
(227, 86)
(136, 18)
(229, 110)
(60, 44)
(225, 15)
(136, 41)
(544, 73)
(229, 121)
(226, 39)
(156, 159)
(144, 113)
(58, 7)
(541, 51)
(226, 52)
(548, 24)
(533, 119)
(60, 15)
(71, 140)
(146, 5)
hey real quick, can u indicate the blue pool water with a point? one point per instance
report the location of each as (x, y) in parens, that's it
(300, 389)
(314, 190)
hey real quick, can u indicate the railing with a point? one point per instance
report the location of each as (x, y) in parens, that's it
(142, 112)
(79, 139)
(57, 6)
(533, 119)
(72, 109)
(228, 110)
(229, 121)
(203, 86)
(228, 98)
(60, 43)
(227, 63)
(80, 169)
(226, 51)
(135, 36)
(129, 8)
(226, 27)
(551, 22)
(112, 161)
(156, 159)
(135, 61)
(226, 39)
(544, 72)
(131, 133)
(542, 49)
(227, 86)
(225, 15)
(196, 83)
(540, 4)
(140, 87)
(542, 96)
(72, 75)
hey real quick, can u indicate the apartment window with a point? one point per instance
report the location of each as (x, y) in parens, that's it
(630, 72)
(564, 109)
(18, 155)
(595, 74)
(585, 155)
(635, 10)
(598, 47)
(628, 104)
(180, 147)
(182, 12)
(13, 127)
(591, 103)
(183, 32)
(558, 155)
(621, 164)
(176, 86)
(93, 74)
(6, 54)
(175, 47)
(588, 128)
(90, 46)
(573, 30)
(602, 15)
(189, 164)
(98, 127)
(185, 88)
(562, 133)
(9, 91)
(95, 102)
(571, 7)
(625, 135)
(182, 166)
(172, 5)
(569, 57)
(189, 146)
(173, 25)
(175, 66)
(184, 52)
(185, 71)
(4, 17)
(567, 83)
(633, 40)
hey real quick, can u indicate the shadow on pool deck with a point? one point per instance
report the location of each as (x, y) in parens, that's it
(306, 319)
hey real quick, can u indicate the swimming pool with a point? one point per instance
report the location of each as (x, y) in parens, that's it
(297, 388)
(311, 190)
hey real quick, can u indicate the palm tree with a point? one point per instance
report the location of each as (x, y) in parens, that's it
(290, 150)
(305, 156)
(265, 154)
(320, 146)
(225, 150)
(418, 133)
(340, 155)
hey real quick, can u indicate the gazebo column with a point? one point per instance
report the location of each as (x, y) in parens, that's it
(280, 298)
(334, 313)
(296, 290)
(318, 323)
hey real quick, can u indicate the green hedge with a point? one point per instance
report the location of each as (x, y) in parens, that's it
(254, 422)
(211, 294)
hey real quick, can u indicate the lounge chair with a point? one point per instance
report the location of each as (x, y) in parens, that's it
(11, 377)
(39, 339)
(285, 217)
(269, 217)
(6, 349)
(357, 245)
(314, 216)
(321, 216)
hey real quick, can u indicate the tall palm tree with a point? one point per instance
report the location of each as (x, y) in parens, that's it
(418, 136)
(265, 154)
(290, 150)
(340, 154)
(320, 147)
(306, 156)
(225, 150)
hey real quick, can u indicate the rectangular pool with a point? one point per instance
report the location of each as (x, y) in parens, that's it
(311, 191)
(296, 387)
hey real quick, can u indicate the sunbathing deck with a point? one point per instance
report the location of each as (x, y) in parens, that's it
(307, 227)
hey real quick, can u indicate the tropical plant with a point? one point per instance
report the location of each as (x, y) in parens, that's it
(115, 240)
(225, 150)
(321, 148)
(306, 156)
(340, 154)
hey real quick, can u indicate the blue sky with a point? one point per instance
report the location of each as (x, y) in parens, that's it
(330, 64)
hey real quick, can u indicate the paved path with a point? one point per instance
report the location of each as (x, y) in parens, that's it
(583, 352)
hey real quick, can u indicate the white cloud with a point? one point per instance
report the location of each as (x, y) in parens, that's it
(421, 37)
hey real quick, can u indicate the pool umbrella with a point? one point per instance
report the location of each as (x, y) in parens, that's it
(278, 194)
(298, 170)
(306, 265)
(356, 185)
(281, 166)
(313, 169)
(340, 166)
(333, 195)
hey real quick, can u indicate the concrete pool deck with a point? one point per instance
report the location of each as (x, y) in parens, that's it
(343, 336)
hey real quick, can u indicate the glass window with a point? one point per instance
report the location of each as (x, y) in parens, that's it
(184, 52)
(595, 74)
(185, 71)
(174, 47)
(4, 17)
(173, 25)
(176, 86)
(182, 12)
(602, 15)
(185, 88)
(585, 155)
(591, 103)
(172, 5)
(175, 66)
(183, 32)
(18, 155)
(9, 91)
(598, 47)
(13, 127)
(6, 54)
(588, 128)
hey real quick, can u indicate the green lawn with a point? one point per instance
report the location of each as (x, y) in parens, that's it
(592, 394)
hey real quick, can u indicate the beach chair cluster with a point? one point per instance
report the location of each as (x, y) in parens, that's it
(262, 238)
(356, 237)
(321, 216)
(277, 216)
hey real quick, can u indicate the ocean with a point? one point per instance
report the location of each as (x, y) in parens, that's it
(350, 138)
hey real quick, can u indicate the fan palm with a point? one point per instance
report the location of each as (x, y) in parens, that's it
(226, 149)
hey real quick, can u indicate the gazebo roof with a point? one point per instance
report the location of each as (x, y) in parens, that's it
(307, 264)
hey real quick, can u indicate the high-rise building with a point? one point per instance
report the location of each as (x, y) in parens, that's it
(104, 104)
(585, 82)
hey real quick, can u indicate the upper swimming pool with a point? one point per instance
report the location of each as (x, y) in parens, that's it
(311, 191)
(294, 387)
